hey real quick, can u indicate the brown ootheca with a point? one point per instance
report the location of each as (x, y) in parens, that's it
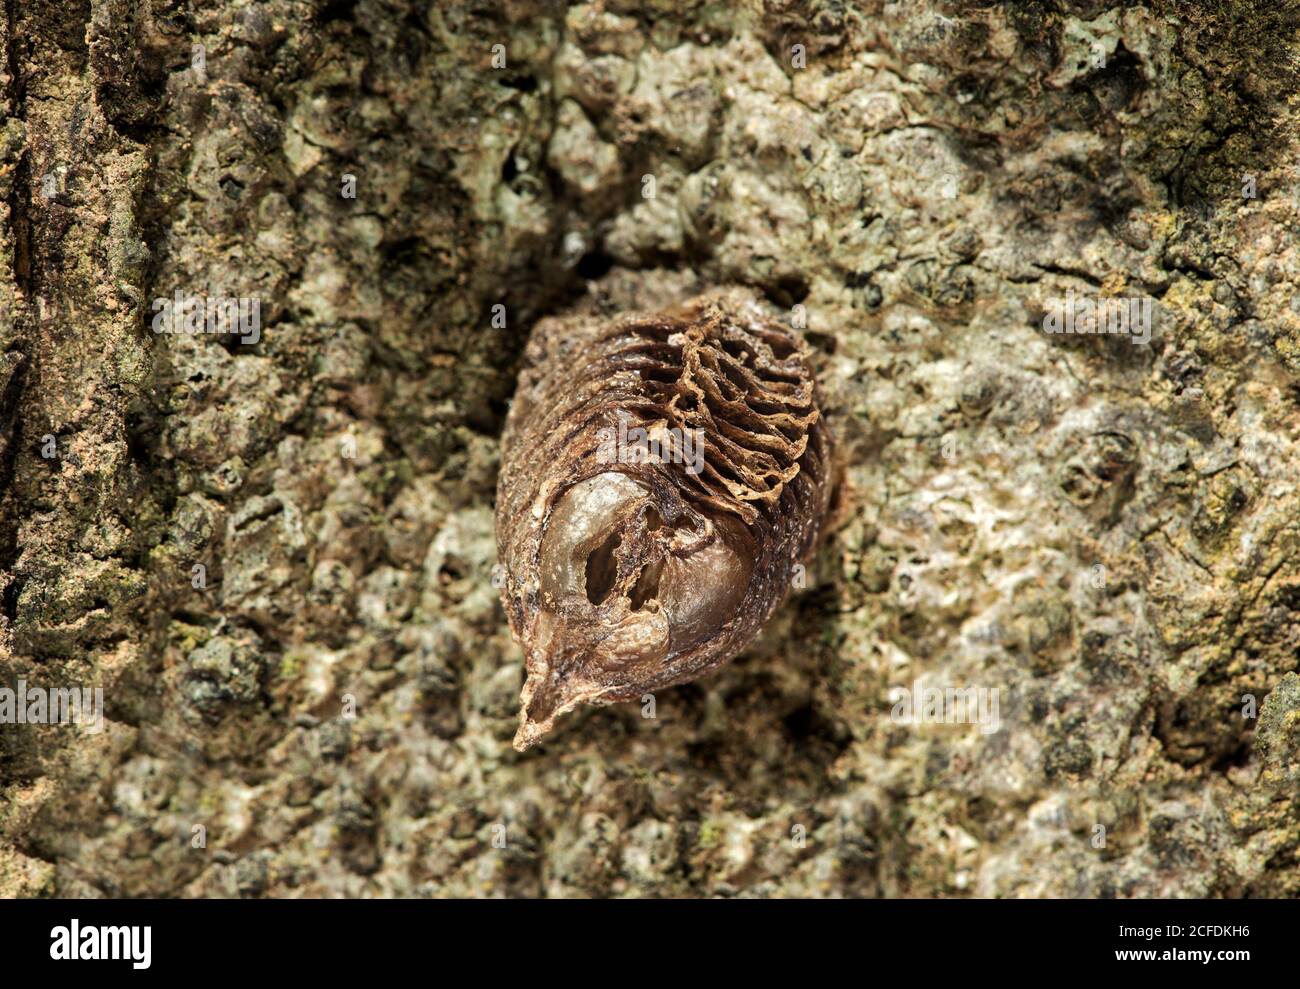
(664, 479)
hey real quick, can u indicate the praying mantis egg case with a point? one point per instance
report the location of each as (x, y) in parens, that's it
(662, 476)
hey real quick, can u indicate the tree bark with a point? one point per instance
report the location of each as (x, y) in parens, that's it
(272, 549)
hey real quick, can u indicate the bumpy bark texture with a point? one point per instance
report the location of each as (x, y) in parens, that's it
(1105, 532)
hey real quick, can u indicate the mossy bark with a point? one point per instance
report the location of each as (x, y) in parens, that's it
(275, 556)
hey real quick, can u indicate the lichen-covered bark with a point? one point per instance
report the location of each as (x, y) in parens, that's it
(1106, 532)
